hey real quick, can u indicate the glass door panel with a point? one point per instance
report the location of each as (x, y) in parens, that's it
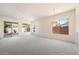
(10, 29)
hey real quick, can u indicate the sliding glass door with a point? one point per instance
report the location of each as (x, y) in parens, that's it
(10, 29)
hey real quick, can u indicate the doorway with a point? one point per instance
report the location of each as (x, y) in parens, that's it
(25, 27)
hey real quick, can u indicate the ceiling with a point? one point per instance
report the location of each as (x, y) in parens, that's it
(33, 10)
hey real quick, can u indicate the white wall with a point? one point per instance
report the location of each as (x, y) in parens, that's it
(9, 19)
(77, 18)
(1, 29)
(2, 19)
(44, 29)
(77, 23)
